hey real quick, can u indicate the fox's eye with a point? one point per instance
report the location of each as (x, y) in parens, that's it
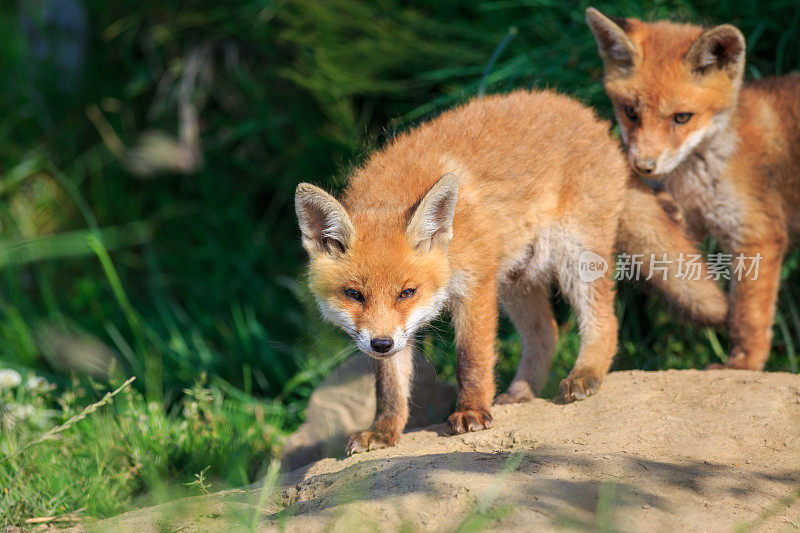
(408, 293)
(630, 113)
(354, 295)
(681, 118)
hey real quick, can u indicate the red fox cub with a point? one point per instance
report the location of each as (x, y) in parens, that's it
(488, 202)
(728, 153)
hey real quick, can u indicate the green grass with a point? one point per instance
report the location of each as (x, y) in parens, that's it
(121, 257)
(126, 451)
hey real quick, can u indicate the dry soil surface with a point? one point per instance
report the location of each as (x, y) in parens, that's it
(652, 451)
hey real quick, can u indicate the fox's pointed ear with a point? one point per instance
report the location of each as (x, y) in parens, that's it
(721, 47)
(432, 222)
(324, 222)
(613, 44)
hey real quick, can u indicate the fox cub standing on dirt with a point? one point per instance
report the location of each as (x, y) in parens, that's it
(487, 202)
(728, 153)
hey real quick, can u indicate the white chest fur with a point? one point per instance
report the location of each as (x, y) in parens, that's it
(704, 191)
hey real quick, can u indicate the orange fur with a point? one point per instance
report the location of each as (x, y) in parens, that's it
(733, 166)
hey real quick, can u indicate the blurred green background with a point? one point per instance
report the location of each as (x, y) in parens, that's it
(148, 157)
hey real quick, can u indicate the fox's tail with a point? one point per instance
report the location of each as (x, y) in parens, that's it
(650, 230)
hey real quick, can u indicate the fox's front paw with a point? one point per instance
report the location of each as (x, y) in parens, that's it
(579, 384)
(365, 441)
(468, 420)
(511, 396)
(508, 398)
(734, 363)
(738, 360)
(518, 392)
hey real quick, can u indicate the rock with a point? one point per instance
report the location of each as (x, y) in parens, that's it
(345, 403)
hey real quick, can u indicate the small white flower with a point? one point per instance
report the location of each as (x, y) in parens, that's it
(37, 382)
(27, 411)
(41, 418)
(21, 412)
(9, 378)
(190, 409)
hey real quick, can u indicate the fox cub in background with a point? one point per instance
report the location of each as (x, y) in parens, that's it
(729, 153)
(490, 201)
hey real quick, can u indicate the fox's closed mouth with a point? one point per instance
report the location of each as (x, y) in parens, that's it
(376, 355)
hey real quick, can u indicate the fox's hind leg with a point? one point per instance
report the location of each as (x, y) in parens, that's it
(593, 303)
(754, 297)
(528, 306)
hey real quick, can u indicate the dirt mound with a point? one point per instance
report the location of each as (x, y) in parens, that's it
(674, 450)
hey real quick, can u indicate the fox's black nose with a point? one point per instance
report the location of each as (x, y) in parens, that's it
(381, 344)
(645, 166)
